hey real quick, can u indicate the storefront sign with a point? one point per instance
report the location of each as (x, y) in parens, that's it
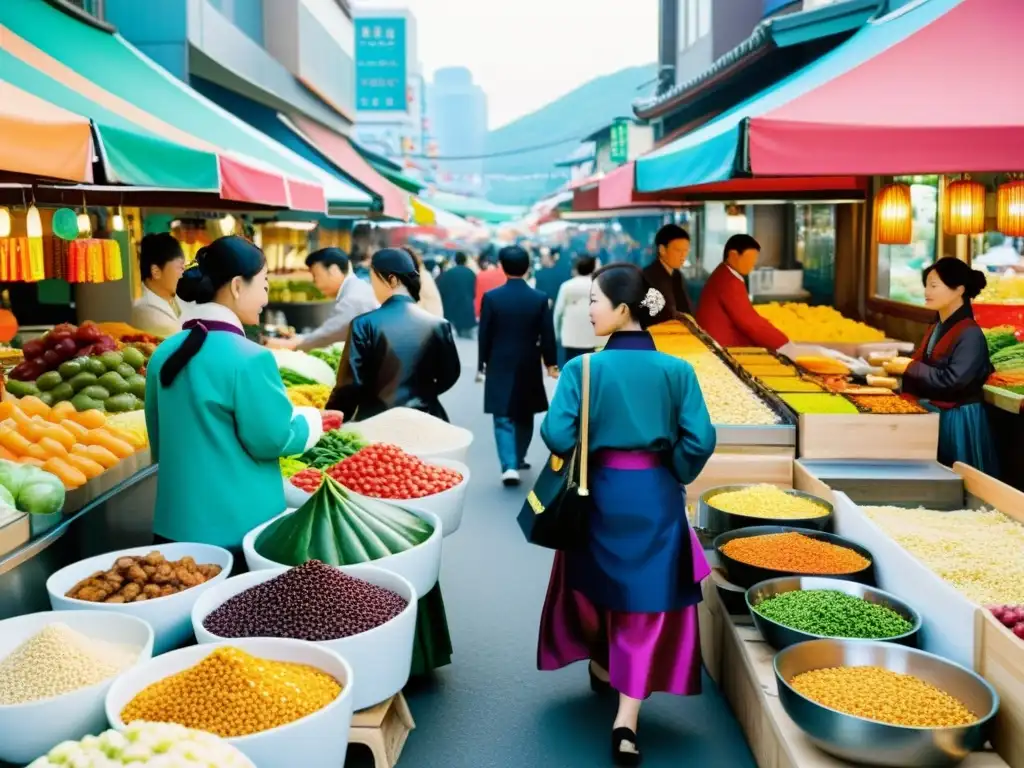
(620, 141)
(381, 82)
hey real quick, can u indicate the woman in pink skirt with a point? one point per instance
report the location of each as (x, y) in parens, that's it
(627, 602)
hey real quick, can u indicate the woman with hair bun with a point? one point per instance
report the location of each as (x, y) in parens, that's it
(399, 355)
(627, 601)
(949, 368)
(216, 410)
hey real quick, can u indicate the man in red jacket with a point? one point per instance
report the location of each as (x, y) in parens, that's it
(725, 311)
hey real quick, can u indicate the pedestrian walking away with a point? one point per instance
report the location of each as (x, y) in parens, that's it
(516, 335)
(457, 286)
(627, 601)
(573, 329)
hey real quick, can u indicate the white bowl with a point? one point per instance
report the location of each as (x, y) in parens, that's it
(380, 657)
(419, 565)
(321, 739)
(458, 449)
(34, 728)
(169, 616)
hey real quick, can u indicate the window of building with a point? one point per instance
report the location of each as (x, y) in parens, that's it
(692, 26)
(815, 250)
(899, 266)
(705, 18)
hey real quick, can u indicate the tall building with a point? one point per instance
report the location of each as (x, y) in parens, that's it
(458, 109)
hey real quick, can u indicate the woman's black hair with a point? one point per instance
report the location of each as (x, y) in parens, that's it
(156, 250)
(625, 284)
(955, 273)
(216, 265)
(399, 264)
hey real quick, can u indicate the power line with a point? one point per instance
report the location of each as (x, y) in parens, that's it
(503, 153)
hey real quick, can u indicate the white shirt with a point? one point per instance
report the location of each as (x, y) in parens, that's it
(355, 298)
(573, 328)
(430, 297)
(156, 315)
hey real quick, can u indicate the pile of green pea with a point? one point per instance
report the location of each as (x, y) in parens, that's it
(830, 613)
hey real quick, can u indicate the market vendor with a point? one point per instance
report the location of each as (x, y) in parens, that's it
(949, 368)
(725, 311)
(671, 247)
(217, 413)
(161, 263)
(332, 276)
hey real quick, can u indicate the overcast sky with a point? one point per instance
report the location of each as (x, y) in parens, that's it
(525, 53)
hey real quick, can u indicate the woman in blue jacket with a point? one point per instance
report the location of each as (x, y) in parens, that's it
(627, 601)
(216, 410)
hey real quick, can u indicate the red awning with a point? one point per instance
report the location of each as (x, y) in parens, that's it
(339, 150)
(944, 99)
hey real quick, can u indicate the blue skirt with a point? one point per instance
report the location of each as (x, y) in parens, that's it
(965, 435)
(640, 556)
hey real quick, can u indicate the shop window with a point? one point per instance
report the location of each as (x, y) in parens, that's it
(1002, 259)
(899, 266)
(816, 250)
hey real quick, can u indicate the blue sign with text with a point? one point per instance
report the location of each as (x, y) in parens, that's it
(380, 65)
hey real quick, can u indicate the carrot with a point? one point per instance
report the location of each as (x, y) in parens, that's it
(101, 437)
(89, 419)
(6, 406)
(61, 435)
(85, 465)
(75, 429)
(14, 442)
(30, 460)
(97, 453)
(52, 447)
(32, 429)
(61, 411)
(69, 475)
(33, 406)
(6, 455)
(36, 451)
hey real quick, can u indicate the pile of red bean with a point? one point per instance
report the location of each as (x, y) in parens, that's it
(312, 601)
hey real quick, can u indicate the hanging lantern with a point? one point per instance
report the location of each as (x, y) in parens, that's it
(33, 223)
(65, 224)
(227, 225)
(1010, 205)
(118, 223)
(965, 208)
(5, 222)
(894, 215)
(84, 224)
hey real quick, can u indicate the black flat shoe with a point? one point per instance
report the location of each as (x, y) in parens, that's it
(620, 757)
(524, 465)
(597, 685)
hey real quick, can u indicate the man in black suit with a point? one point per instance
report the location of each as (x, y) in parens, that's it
(516, 334)
(671, 247)
(457, 286)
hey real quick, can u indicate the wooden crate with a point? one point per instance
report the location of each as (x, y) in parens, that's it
(763, 464)
(383, 728)
(868, 436)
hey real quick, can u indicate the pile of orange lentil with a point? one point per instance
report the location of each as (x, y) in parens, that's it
(231, 693)
(795, 553)
(882, 695)
(893, 404)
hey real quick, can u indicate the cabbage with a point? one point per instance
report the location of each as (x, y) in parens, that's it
(12, 476)
(42, 494)
(305, 365)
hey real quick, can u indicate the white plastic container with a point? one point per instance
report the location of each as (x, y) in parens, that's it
(381, 658)
(419, 565)
(170, 617)
(32, 729)
(319, 740)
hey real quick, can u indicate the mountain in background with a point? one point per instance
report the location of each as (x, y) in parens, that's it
(573, 117)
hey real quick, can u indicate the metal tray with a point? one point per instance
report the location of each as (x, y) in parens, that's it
(720, 521)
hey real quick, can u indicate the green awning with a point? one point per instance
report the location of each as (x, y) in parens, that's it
(397, 178)
(130, 154)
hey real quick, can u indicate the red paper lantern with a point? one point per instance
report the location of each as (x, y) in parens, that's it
(894, 215)
(965, 208)
(1010, 209)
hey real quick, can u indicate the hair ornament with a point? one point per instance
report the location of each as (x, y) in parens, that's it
(653, 301)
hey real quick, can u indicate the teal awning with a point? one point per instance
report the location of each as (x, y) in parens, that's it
(475, 208)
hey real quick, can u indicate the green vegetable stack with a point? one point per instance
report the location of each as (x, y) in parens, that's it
(1009, 359)
(999, 338)
(331, 355)
(30, 489)
(831, 613)
(335, 529)
(294, 379)
(332, 448)
(111, 382)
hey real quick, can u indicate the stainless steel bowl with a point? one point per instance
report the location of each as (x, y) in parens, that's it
(719, 521)
(872, 743)
(779, 636)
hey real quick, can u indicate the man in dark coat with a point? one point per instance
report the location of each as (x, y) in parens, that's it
(671, 246)
(550, 275)
(516, 334)
(458, 289)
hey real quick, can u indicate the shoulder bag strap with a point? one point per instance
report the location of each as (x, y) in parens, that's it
(585, 427)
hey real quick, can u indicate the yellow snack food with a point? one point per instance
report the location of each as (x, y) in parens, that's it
(767, 501)
(804, 323)
(790, 384)
(775, 369)
(231, 693)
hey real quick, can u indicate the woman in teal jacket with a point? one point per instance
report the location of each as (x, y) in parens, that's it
(216, 410)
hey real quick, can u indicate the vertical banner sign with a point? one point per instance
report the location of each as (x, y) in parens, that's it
(620, 141)
(381, 80)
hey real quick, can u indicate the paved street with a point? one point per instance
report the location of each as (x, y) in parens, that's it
(491, 707)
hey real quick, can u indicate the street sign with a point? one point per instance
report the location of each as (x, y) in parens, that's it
(381, 67)
(620, 141)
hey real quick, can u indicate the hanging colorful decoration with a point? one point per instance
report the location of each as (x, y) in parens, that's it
(65, 224)
(965, 207)
(894, 215)
(1010, 208)
(93, 261)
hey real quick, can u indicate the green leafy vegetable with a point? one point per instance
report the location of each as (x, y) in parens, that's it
(332, 448)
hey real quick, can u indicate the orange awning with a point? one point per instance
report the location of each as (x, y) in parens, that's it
(38, 138)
